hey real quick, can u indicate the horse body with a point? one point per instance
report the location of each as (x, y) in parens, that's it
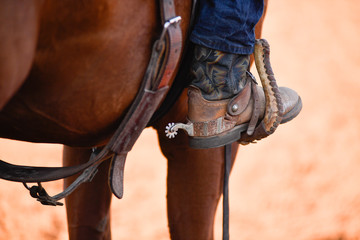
(89, 61)
(68, 73)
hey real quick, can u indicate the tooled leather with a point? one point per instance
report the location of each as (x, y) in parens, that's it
(212, 127)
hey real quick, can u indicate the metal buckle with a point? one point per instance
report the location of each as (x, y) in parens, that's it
(167, 24)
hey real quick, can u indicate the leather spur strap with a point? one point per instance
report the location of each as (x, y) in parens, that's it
(161, 69)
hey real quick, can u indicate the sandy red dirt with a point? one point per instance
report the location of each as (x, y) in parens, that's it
(303, 183)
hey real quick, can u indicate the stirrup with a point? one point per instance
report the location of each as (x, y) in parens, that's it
(273, 110)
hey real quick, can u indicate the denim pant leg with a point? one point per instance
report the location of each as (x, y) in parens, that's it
(227, 25)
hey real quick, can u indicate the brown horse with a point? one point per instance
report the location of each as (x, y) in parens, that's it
(68, 72)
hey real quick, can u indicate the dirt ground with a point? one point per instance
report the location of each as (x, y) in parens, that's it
(302, 183)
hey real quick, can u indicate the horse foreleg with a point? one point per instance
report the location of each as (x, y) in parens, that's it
(194, 183)
(88, 206)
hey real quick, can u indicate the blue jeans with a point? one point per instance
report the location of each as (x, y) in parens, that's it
(227, 25)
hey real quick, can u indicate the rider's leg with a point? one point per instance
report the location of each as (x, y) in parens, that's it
(88, 206)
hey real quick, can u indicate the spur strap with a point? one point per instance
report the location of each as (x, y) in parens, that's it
(161, 68)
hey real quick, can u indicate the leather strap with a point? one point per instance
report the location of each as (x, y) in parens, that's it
(174, 38)
(126, 138)
(226, 210)
(169, 46)
(256, 111)
(241, 100)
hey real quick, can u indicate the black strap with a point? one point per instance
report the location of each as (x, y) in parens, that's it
(227, 168)
(29, 174)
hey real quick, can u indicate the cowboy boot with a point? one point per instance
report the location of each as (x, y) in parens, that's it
(226, 105)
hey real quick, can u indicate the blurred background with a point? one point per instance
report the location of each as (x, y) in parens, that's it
(302, 183)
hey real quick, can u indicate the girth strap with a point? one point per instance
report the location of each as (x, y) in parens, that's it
(162, 66)
(28, 174)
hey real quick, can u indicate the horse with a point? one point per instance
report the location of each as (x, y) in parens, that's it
(69, 70)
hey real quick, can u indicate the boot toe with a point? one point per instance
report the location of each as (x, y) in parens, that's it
(291, 102)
